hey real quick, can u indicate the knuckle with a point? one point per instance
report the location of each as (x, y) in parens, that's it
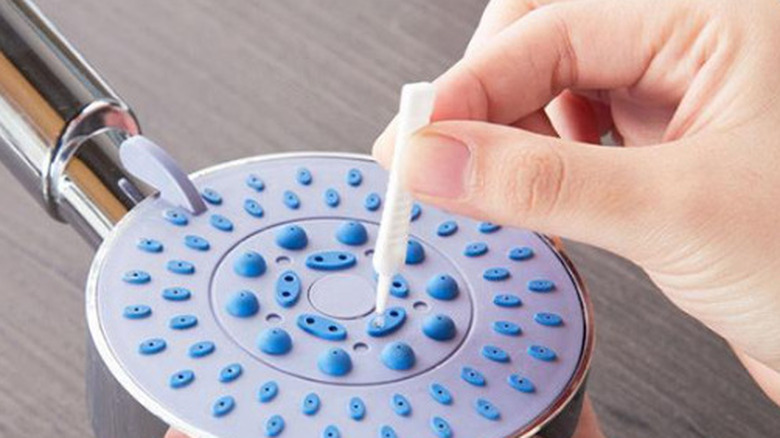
(557, 19)
(694, 201)
(512, 8)
(533, 178)
(529, 5)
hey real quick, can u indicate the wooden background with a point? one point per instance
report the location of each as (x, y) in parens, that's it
(214, 80)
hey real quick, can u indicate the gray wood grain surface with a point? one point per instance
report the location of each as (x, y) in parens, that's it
(217, 80)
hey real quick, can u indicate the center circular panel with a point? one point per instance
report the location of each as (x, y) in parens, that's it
(343, 296)
(336, 302)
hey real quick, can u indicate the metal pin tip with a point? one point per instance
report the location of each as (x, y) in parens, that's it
(379, 321)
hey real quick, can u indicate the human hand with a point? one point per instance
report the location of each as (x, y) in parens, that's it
(692, 84)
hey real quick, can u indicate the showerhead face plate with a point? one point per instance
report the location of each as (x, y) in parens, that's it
(255, 318)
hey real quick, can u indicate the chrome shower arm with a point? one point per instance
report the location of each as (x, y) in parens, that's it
(53, 108)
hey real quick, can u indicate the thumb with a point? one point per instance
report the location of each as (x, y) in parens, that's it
(598, 195)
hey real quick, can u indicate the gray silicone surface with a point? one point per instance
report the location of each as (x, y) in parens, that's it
(346, 294)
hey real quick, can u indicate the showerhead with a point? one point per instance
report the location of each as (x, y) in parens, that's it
(256, 315)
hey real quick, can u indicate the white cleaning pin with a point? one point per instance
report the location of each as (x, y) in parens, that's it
(416, 108)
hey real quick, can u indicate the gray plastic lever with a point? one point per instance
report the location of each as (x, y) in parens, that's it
(150, 163)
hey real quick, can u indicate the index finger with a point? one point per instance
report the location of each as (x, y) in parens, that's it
(498, 15)
(588, 44)
(591, 44)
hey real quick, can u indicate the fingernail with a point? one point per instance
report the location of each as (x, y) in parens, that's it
(437, 166)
